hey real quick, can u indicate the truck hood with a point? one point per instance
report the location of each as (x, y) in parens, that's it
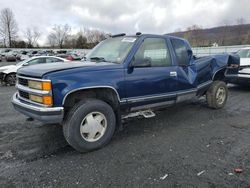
(39, 71)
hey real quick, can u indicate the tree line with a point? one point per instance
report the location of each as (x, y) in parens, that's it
(59, 37)
(225, 35)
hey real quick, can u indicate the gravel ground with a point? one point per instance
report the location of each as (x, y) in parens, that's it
(188, 145)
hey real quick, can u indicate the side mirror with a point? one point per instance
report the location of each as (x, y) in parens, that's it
(25, 64)
(145, 62)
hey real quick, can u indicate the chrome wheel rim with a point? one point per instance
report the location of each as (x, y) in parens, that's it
(93, 126)
(221, 95)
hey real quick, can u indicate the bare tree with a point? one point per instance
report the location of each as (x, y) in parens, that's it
(32, 35)
(94, 36)
(51, 40)
(8, 26)
(59, 35)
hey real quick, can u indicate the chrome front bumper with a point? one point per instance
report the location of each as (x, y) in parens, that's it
(47, 115)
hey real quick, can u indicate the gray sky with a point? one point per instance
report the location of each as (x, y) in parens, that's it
(116, 16)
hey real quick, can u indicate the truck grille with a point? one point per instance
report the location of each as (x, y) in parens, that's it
(23, 81)
(24, 94)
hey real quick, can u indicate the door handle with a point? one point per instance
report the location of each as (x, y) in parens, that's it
(174, 73)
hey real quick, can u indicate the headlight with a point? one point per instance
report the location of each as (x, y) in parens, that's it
(46, 100)
(39, 85)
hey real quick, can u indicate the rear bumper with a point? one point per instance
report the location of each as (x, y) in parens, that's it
(47, 115)
(238, 78)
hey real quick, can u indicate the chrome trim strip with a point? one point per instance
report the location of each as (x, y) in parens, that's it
(136, 99)
(36, 108)
(243, 75)
(32, 91)
(35, 79)
(93, 87)
(161, 95)
(238, 76)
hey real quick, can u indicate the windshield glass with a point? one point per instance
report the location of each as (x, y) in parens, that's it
(244, 53)
(111, 50)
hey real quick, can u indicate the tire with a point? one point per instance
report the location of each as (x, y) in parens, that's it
(76, 123)
(217, 95)
(11, 79)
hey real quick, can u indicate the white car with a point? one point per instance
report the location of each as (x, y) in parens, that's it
(242, 76)
(8, 73)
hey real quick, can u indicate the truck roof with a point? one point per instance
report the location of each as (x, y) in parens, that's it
(150, 35)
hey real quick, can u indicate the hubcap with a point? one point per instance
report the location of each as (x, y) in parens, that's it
(93, 126)
(221, 95)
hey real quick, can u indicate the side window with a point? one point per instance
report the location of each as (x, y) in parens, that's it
(155, 51)
(36, 61)
(180, 51)
(52, 60)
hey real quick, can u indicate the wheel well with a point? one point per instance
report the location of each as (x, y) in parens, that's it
(7, 74)
(107, 95)
(219, 75)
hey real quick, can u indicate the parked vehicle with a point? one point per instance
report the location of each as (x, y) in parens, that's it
(70, 57)
(18, 56)
(123, 76)
(10, 56)
(241, 75)
(4, 52)
(8, 73)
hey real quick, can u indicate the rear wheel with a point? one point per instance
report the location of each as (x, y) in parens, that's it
(89, 125)
(11, 79)
(217, 95)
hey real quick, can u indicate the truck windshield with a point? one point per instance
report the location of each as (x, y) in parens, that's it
(112, 50)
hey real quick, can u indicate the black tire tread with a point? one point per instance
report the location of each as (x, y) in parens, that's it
(211, 94)
(81, 106)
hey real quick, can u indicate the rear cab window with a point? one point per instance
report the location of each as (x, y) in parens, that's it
(181, 52)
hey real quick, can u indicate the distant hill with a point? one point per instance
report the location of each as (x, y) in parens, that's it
(223, 36)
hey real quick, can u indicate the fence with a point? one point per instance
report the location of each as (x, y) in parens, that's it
(205, 51)
(198, 51)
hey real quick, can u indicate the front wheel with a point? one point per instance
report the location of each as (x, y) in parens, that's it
(11, 79)
(89, 125)
(217, 95)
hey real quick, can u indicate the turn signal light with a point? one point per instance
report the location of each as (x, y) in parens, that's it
(46, 100)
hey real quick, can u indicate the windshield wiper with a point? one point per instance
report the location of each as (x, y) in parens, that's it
(98, 59)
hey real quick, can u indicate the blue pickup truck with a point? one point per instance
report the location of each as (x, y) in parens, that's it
(123, 76)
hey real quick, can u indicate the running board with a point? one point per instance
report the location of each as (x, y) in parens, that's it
(145, 114)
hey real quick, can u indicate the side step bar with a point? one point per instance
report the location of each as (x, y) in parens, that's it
(145, 114)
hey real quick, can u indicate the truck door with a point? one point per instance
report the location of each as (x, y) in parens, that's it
(150, 76)
(187, 81)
